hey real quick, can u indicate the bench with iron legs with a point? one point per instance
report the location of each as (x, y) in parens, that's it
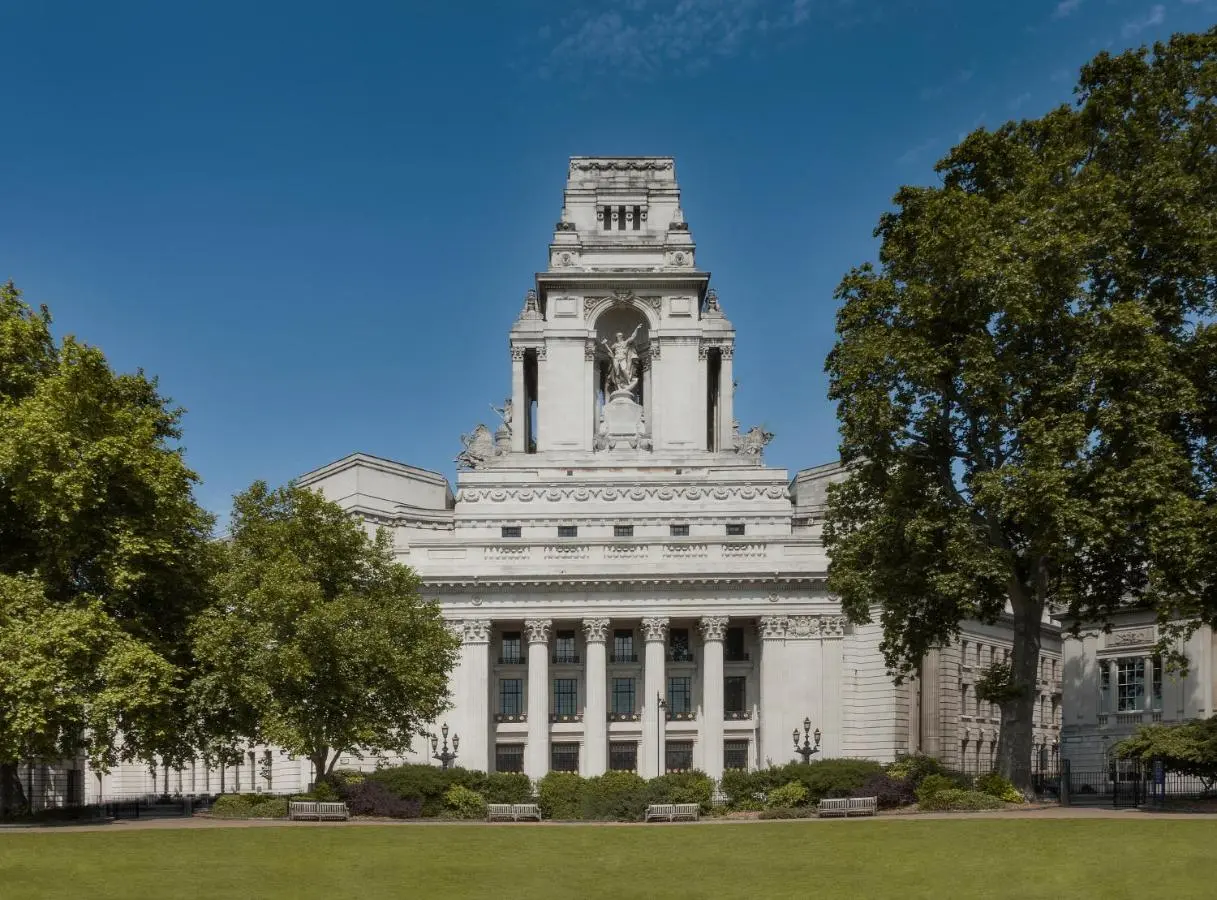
(512, 812)
(317, 811)
(673, 812)
(843, 807)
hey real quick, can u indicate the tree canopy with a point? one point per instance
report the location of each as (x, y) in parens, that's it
(318, 641)
(1025, 383)
(103, 554)
(1189, 748)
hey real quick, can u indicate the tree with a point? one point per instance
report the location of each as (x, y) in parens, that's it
(103, 555)
(318, 641)
(1024, 385)
(1189, 748)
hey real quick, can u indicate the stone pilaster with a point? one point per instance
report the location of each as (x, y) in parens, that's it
(470, 716)
(655, 635)
(713, 630)
(536, 753)
(775, 739)
(595, 708)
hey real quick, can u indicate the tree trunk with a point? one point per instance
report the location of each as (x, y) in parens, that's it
(1014, 742)
(12, 797)
(320, 759)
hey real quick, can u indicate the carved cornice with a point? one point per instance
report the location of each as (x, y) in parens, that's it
(538, 630)
(620, 165)
(655, 628)
(713, 628)
(636, 493)
(562, 583)
(596, 630)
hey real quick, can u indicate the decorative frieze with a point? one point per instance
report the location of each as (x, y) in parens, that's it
(801, 627)
(1131, 637)
(538, 630)
(596, 630)
(655, 628)
(637, 493)
(713, 628)
(772, 628)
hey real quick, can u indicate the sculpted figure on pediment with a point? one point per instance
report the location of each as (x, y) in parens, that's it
(478, 447)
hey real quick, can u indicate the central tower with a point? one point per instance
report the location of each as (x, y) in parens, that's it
(621, 354)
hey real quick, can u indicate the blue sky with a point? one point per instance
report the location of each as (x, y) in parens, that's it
(315, 222)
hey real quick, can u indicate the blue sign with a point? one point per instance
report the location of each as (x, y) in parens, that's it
(1159, 772)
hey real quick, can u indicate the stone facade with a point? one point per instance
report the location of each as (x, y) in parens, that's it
(633, 586)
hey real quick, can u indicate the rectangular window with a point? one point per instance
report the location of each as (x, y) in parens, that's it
(679, 756)
(564, 647)
(735, 754)
(568, 531)
(511, 653)
(621, 218)
(678, 530)
(680, 694)
(1130, 686)
(623, 756)
(623, 531)
(511, 696)
(623, 646)
(623, 696)
(510, 531)
(607, 215)
(564, 757)
(566, 696)
(509, 758)
(735, 528)
(678, 645)
(735, 694)
(733, 647)
(1157, 687)
(637, 216)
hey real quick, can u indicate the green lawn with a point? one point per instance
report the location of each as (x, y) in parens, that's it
(964, 858)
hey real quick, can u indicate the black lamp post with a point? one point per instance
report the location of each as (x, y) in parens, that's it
(659, 717)
(807, 751)
(445, 756)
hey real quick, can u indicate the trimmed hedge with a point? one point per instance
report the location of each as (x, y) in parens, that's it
(822, 778)
(249, 806)
(428, 784)
(560, 795)
(614, 797)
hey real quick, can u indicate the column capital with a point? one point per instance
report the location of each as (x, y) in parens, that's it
(538, 630)
(655, 628)
(713, 628)
(471, 631)
(596, 630)
(773, 628)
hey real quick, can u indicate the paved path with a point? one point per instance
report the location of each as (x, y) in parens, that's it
(1039, 813)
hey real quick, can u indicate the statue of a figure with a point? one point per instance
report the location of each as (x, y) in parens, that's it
(642, 436)
(621, 376)
(752, 442)
(479, 446)
(602, 434)
(504, 413)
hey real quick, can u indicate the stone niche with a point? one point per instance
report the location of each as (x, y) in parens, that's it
(621, 344)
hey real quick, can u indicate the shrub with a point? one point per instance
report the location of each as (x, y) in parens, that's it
(270, 808)
(743, 787)
(344, 777)
(232, 806)
(788, 795)
(615, 797)
(888, 792)
(560, 795)
(427, 784)
(683, 787)
(464, 803)
(932, 785)
(915, 768)
(996, 786)
(325, 792)
(956, 799)
(787, 812)
(508, 787)
(373, 798)
(831, 777)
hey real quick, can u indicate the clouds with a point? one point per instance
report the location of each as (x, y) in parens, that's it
(1155, 16)
(1066, 8)
(646, 37)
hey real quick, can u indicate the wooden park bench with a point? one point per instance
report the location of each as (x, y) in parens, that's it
(672, 812)
(316, 811)
(844, 807)
(512, 812)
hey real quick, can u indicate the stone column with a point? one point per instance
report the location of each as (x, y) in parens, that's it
(471, 691)
(655, 634)
(1113, 686)
(713, 630)
(775, 739)
(536, 754)
(1148, 677)
(595, 708)
(726, 397)
(519, 412)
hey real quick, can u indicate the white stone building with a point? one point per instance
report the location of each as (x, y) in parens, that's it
(1115, 682)
(634, 587)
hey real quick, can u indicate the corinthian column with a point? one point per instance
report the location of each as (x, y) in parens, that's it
(655, 634)
(470, 689)
(713, 630)
(774, 737)
(536, 756)
(595, 708)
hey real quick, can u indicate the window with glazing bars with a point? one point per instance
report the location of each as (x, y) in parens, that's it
(623, 756)
(678, 530)
(623, 696)
(566, 696)
(564, 647)
(623, 531)
(678, 645)
(680, 694)
(735, 692)
(1130, 685)
(511, 647)
(509, 758)
(623, 645)
(735, 754)
(679, 756)
(511, 696)
(564, 757)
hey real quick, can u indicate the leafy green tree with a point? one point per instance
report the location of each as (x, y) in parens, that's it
(1025, 383)
(318, 641)
(103, 555)
(1189, 748)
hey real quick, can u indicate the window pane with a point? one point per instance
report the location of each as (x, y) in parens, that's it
(564, 647)
(509, 758)
(623, 531)
(679, 756)
(735, 754)
(678, 644)
(735, 688)
(511, 531)
(733, 647)
(623, 645)
(511, 695)
(623, 696)
(512, 648)
(564, 757)
(1130, 685)
(678, 530)
(623, 756)
(680, 695)
(566, 696)
(568, 531)
(735, 529)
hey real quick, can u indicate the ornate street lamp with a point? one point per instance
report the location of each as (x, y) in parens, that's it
(659, 721)
(446, 756)
(807, 751)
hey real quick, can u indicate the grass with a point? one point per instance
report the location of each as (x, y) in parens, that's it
(973, 858)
